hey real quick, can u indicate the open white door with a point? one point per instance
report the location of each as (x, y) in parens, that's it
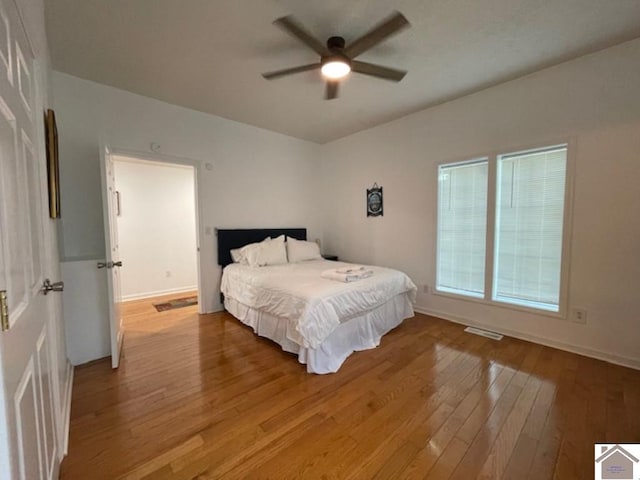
(113, 262)
(28, 421)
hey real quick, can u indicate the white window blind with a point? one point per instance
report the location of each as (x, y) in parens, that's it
(462, 227)
(528, 233)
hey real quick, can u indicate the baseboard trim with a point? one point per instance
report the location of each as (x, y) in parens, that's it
(141, 296)
(587, 352)
(66, 405)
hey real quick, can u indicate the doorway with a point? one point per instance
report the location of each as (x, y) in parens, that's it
(156, 217)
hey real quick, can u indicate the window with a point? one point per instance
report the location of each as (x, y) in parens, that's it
(462, 227)
(528, 238)
(526, 231)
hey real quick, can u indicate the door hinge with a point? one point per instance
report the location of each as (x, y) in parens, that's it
(4, 311)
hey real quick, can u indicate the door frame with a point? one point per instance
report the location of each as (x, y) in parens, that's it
(197, 173)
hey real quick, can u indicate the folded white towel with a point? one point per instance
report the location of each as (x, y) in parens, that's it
(351, 269)
(346, 277)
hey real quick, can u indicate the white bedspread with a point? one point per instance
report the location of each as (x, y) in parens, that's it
(315, 305)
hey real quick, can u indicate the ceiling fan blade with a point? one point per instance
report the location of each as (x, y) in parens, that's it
(289, 71)
(332, 90)
(379, 71)
(292, 27)
(393, 24)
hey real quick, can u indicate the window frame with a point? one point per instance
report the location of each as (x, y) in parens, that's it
(492, 159)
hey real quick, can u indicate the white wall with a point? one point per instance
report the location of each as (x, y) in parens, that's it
(85, 336)
(257, 179)
(594, 103)
(156, 228)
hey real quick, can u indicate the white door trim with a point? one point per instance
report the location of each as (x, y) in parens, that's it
(197, 165)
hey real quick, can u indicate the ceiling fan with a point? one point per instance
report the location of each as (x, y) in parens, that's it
(338, 59)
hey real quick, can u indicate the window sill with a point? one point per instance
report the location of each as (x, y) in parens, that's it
(561, 314)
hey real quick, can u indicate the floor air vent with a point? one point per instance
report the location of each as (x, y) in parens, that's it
(483, 333)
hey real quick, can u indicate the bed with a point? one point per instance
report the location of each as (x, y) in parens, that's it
(320, 320)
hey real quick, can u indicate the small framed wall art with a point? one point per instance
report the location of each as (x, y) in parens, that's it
(374, 201)
(53, 169)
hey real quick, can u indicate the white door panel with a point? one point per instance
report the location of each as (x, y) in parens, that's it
(28, 434)
(46, 412)
(113, 264)
(28, 419)
(34, 200)
(5, 45)
(25, 85)
(14, 221)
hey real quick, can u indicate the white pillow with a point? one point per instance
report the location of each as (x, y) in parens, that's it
(299, 250)
(269, 253)
(278, 239)
(247, 254)
(237, 257)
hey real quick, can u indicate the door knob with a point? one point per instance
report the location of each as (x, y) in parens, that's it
(109, 264)
(47, 286)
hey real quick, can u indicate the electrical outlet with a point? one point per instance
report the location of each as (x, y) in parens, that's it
(425, 289)
(579, 315)
(168, 273)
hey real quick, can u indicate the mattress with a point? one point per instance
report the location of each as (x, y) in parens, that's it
(312, 307)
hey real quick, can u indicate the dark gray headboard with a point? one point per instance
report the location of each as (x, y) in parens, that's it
(230, 239)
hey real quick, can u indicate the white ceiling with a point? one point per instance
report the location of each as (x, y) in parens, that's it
(208, 54)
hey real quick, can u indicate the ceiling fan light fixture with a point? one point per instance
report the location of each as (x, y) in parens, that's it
(337, 59)
(336, 69)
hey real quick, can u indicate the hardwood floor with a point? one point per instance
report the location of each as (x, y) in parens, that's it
(201, 397)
